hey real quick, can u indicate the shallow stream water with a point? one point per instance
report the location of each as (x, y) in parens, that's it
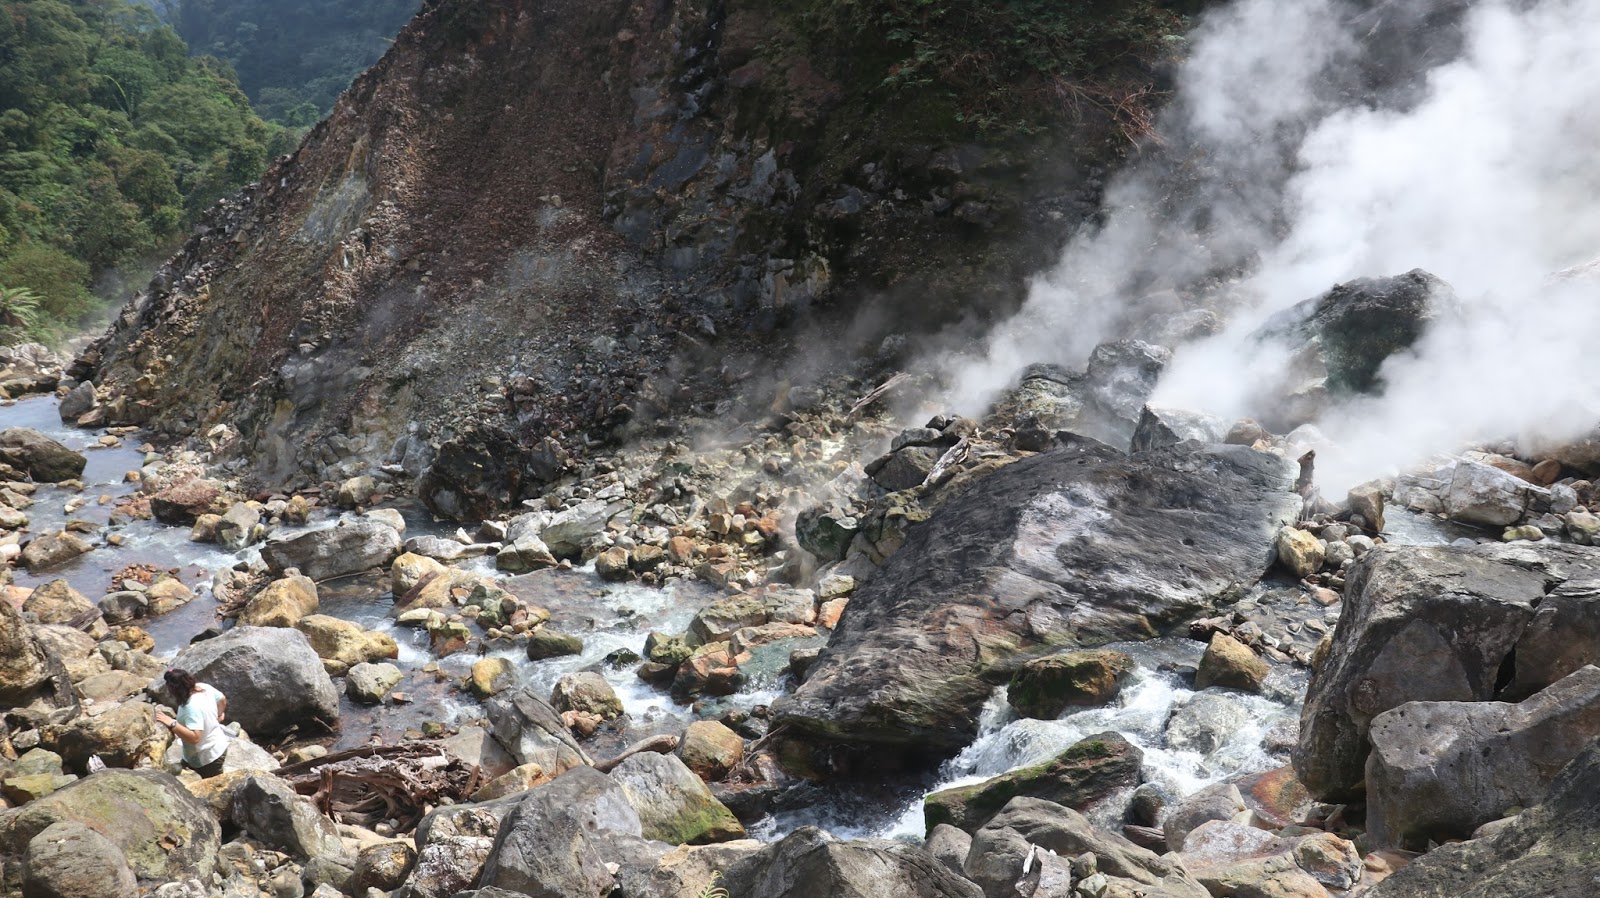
(613, 617)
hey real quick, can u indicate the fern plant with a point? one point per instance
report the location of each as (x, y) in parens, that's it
(19, 313)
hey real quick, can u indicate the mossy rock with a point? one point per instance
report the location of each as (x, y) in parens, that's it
(1086, 772)
(166, 833)
(1046, 687)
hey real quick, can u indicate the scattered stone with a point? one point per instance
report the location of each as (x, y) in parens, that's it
(370, 683)
(1229, 663)
(410, 569)
(282, 604)
(57, 602)
(544, 643)
(491, 676)
(586, 692)
(710, 749)
(1299, 552)
(52, 550)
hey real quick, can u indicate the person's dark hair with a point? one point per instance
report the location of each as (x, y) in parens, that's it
(180, 683)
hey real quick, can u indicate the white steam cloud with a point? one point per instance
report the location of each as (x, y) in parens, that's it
(1328, 154)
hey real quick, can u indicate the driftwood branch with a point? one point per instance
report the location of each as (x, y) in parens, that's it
(662, 744)
(877, 393)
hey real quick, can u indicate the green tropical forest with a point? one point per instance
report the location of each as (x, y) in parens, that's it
(113, 140)
(293, 57)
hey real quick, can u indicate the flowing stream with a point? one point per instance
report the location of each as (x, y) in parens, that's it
(1227, 733)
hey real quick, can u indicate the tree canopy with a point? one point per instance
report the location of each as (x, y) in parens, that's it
(294, 57)
(112, 142)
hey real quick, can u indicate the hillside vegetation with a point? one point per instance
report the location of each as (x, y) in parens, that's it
(294, 57)
(112, 141)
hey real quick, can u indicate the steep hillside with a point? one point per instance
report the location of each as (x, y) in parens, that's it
(533, 225)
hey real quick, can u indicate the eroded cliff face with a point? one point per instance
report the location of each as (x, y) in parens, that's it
(534, 225)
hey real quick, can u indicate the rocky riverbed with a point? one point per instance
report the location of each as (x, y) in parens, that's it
(823, 653)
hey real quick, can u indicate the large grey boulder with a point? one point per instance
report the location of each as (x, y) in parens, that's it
(1162, 427)
(77, 403)
(532, 732)
(1483, 494)
(565, 532)
(23, 670)
(163, 831)
(270, 675)
(1104, 402)
(1004, 845)
(266, 808)
(809, 862)
(559, 839)
(44, 459)
(1548, 851)
(1080, 545)
(1440, 770)
(348, 548)
(70, 860)
(1421, 624)
(674, 805)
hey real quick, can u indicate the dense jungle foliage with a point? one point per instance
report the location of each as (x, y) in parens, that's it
(112, 142)
(293, 57)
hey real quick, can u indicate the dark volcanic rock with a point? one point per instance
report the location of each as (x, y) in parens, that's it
(1549, 851)
(1078, 546)
(348, 548)
(1426, 624)
(44, 459)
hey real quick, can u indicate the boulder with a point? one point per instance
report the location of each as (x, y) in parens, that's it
(492, 676)
(57, 602)
(184, 502)
(70, 860)
(1204, 722)
(1045, 688)
(272, 814)
(1340, 340)
(1546, 851)
(905, 469)
(78, 402)
(1004, 845)
(809, 862)
(1300, 553)
(674, 805)
(612, 565)
(444, 590)
(344, 644)
(1439, 770)
(349, 548)
(532, 732)
(1562, 637)
(1070, 547)
(826, 532)
(544, 642)
(1088, 772)
(718, 620)
(1159, 428)
(123, 606)
(565, 839)
(52, 550)
(272, 677)
(949, 846)
(282, 604)
(687, 870)
(1220, 801)
(1367, 501)
(1229, 663)
(567, 530)
(239, 526)
(23, 670)
(383, 866)
(514, 781)
(163, 832)
(370, 683)
(1483, 494)
(528, 553)
(475, 746)
(42, 458)
(710, 749)
(127, 735)
(1421, 624)
(485, 470)
(586, 692)
(411, 569)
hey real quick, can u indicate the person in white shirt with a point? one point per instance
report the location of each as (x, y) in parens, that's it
(201, 710)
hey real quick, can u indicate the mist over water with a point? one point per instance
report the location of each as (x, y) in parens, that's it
(1317, 142)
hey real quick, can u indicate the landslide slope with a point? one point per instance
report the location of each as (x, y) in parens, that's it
(534, 224)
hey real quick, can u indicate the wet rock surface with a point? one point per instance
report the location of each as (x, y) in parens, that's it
(1063, 548)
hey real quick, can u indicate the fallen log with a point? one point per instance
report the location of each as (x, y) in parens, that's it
(662, 744)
